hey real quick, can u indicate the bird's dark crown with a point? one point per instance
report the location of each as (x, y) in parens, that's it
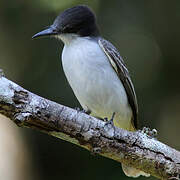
(79, 20)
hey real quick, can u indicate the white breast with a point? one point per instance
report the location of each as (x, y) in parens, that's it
(94, 82)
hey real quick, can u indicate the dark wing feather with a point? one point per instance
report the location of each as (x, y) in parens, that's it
(123, 74)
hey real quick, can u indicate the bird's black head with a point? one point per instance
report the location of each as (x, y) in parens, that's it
(77, 20)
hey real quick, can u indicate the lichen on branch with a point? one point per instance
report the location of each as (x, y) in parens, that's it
(131, 148)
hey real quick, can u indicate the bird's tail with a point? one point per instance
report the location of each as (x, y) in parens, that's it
(133, 172)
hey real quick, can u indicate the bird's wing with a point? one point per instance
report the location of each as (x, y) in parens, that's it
(118, 65)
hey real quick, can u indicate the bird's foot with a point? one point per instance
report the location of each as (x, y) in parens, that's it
(152, 133)
(110, 121)
(88, 111)
(109, 128)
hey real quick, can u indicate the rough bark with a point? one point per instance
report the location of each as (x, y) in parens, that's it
(132, 148)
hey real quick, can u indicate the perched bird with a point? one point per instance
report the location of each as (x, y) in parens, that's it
(95, 70)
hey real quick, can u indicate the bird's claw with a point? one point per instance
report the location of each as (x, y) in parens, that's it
(110, 121)
(83, 110)
(152, 133)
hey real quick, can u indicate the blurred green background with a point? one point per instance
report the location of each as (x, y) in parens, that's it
(147, 35)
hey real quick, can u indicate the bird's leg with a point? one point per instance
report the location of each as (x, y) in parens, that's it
(152, 133)
(111, 120)
(88, 111)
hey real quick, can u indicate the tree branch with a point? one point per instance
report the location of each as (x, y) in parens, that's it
(131, 148)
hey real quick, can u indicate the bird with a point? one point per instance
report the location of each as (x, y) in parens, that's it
(95, 70)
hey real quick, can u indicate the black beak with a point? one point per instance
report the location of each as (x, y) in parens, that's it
(46, 32)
